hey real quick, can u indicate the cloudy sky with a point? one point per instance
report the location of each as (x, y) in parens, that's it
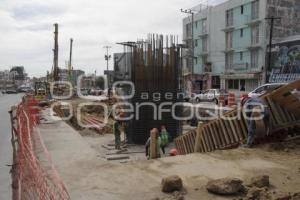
(26, 29)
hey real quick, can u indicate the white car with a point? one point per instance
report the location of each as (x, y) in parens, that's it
(264, 89)
(211, 95)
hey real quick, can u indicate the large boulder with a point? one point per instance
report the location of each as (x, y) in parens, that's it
(260, 181)
(225, 186)
(171, 184)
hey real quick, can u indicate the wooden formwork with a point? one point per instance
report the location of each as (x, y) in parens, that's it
(231, 129)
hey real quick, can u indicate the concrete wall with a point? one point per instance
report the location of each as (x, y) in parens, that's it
(289, 11)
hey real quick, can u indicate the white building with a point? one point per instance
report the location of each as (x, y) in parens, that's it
(231, 40)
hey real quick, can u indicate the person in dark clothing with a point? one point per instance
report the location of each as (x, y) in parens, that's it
(251, 104)
(117, 133)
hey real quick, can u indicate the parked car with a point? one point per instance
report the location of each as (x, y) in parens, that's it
(84, 92)
(24, 90)
(11, 91)
(188, 97)
(261, 90)
(211, 95)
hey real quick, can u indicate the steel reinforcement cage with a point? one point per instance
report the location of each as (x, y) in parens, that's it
(155, 74)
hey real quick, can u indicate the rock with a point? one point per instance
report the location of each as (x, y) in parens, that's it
(286, 150)
(171, 184)
(256, 193)
(260, 181)
(296, 196)
(283, 196)
(225, 186)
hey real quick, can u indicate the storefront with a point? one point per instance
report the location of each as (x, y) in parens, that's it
(241, 82)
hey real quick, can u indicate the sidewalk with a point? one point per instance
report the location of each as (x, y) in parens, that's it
(85, 173)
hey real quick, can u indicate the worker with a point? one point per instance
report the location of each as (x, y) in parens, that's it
(164, 136)
(147, 145)
(253, 104)
(126, 127)
(117, 130)
(158, 144)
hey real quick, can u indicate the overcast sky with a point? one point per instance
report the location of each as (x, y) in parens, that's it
(26, 29)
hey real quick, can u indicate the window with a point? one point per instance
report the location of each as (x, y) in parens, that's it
(189, 44)
(207, 65)
(229, 40)
(216, 82)
(204, 59)
(204, 26)
(255, 35)
(189, 63)
(229, 17)
(242, 85)
(229, 60)
(255, 9)
(261, 90)
(242, 9)
(204, 44)
(196, 43)
(242, 33)
(188, 29)
(241, 56)
(254, 59)
(233, 84)
(196, 24)
(196, 60)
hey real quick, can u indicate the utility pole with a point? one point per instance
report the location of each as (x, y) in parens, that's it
(272, 19)
(189, 11)
(70, 68)
(55, 51)
(107, 56)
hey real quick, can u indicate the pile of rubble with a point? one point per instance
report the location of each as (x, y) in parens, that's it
(258, 188)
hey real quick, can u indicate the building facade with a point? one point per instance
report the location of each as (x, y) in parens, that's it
(75, 73)
(286, 60)
(230, 42)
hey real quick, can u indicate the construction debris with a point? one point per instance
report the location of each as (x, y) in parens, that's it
(260, 181)
(171, 184)
(225, 186)
(255, 193)
(118, 157)
(231, 130)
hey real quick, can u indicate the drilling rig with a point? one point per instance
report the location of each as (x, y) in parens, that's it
(55, 72)
(70, 67)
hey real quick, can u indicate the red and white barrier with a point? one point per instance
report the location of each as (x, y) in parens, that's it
(231, 99)
(34, 179)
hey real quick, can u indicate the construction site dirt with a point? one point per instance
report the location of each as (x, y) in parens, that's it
(92, 169)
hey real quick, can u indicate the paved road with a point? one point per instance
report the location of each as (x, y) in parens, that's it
(6, 101)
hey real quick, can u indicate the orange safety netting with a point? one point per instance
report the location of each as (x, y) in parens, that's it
(35, 173)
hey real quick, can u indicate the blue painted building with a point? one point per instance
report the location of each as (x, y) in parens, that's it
(230, 42)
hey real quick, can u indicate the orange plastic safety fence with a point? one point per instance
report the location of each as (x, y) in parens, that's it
(36, 175)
